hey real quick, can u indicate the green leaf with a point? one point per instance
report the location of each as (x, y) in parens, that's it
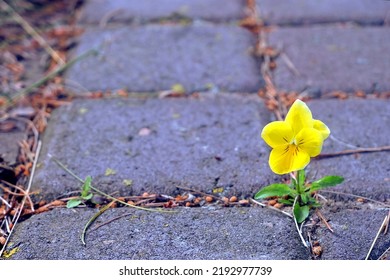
(301, 212)
(315, 205)
(73, 203)
(88, 197)
(86, 186)
(304, 198)
(273, 190)
(325, 182)
(285, 201)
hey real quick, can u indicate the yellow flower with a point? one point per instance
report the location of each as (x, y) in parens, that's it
(294, 140)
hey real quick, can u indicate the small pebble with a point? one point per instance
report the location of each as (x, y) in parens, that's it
(272, 202)
(243, 202)
(278, 205)
(233, 199)
(209, 199)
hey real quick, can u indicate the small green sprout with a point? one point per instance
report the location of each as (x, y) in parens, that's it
(84, 196)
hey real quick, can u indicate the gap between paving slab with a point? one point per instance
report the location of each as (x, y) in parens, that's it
(193, 233)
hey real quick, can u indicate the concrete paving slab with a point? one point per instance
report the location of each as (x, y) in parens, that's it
(139, 11)
(192, 233)
(156, 57)
(200, 143)
(298, 12)
(355, 123)
(333, 58)
(354, 232)
(9, 147)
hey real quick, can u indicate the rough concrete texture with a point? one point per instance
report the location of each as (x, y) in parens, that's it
(9, 147)
(323, 11)
(355, 123)
(201, 143)
(333, 58)
(192, 233)
(354, 232)
(139, 11)
(155, 57)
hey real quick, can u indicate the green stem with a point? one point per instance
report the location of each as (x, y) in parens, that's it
(299, 183)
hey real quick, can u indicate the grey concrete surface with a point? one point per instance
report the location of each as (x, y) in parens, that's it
(333, 58)
(192, 233)
(156, 57)
(9, 147)
(199, 143)
(355, 123)
(298, 12)
(95, 11)
(354, 232)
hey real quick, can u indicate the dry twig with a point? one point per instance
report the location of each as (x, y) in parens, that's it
(32, 32)
(355, 151)
(290, 65)
(376, 237)
(272, 208)
(357, 196)
(387, 223)
(110, 221)
(25, 197)
(48, 77)
(199, 192)
(23, 192)
(319, 214)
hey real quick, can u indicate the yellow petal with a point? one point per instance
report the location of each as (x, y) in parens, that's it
(288, 158)
(277, 133)
(299, 116)
(310, 140)
(322, 128)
